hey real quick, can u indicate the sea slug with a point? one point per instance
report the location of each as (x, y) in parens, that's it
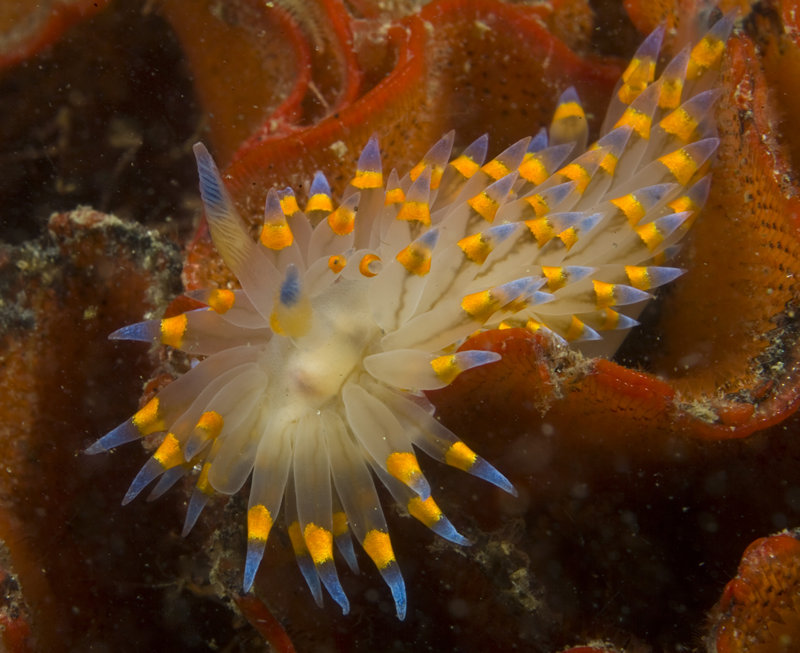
(311, 377)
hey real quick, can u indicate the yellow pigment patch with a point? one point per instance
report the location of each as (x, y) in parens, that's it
(480, 306)
(628, 93)
(416, 258)
(604, 293)
(319, 202)
(436, 176)
(569, 237)
(484, 205)
(417, 170)
(202, 480)
(567, 110)
(148, 419)
(293, 321)
(631, 206)
(575, 330)
(296, 538)
(221, 300)
(336, 264)
(636, 78)
(542, 230)
(638, 276)
(426, 511)
(319, 542)
(436, 173)
(650, 235)
(517, 304)
(680, 164)
(403, 466)
(173, 329)
(533, 326)
(366, 179)
(609, 319)
(556, 277)
(339, 523)
(637, 120)
(577, 173)
(415, 212)
(679, 123)
(460, 456)
(342, 221)
(259, 523)
(446, 368)
(539, 205)
(670, 93)
(169, 453)
(275, 324)
(640, 71)
(533, 169)
(496, 169)
(394, 196)
(289, 205)
(211, 422)
(704, 55)
(379, 547)
(569, 122)
(683, 203)
(465, 166)
(276, 235)
(364, 265)
(609, 162)
(476, 247)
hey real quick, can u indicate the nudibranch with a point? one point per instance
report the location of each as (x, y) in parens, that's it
(311, 377)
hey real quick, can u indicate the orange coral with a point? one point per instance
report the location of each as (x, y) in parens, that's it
(97, 270)
(760, 609)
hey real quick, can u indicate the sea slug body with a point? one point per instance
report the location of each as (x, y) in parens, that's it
(311, 377)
